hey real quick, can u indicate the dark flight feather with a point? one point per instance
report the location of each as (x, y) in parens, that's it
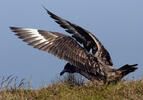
(95, 66)
(60, 45)
(84, 37)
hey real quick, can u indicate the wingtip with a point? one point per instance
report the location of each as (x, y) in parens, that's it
(12, 28)
(15, 29)
(46, 9)
(135, 65)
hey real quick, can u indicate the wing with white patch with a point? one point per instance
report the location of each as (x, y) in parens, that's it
(84, 37)
(60, 45)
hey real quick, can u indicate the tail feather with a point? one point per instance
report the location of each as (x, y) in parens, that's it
(126, 69)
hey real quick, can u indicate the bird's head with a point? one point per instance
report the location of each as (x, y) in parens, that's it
(68, 68)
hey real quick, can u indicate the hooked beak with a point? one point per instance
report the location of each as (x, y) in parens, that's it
(62, 72)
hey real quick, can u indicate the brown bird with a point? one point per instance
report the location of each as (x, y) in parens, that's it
(75, 49)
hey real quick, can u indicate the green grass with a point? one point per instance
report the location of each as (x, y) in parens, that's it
(63, 90)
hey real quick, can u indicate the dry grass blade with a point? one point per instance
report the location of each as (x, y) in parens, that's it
(66, 89)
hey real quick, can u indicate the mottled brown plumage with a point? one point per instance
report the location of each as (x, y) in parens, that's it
(96, 65)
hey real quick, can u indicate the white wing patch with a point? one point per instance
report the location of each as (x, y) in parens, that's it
(35, 33)
(34, 37)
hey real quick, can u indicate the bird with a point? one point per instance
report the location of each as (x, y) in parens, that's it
(83, 52)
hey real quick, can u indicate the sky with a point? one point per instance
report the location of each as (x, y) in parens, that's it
(118, 24)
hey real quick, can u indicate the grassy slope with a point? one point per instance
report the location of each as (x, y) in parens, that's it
(124, 90)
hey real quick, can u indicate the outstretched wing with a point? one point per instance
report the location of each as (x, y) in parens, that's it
(60, 45)
(84, 37)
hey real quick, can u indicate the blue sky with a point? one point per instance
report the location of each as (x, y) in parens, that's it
(118, 24)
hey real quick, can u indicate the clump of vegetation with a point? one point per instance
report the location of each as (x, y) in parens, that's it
(67, 90)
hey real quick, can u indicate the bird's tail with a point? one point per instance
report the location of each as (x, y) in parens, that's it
(126, 69)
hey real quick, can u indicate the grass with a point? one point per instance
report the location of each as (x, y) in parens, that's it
(68, 90)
